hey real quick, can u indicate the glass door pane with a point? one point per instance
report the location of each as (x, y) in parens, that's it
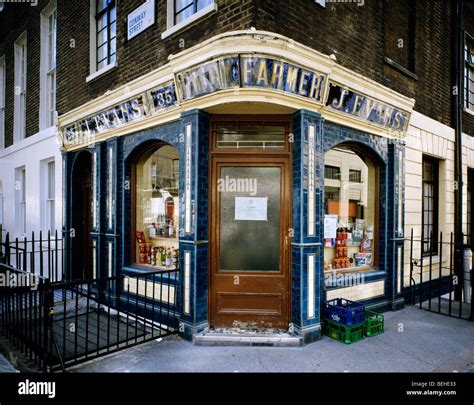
(249, 218)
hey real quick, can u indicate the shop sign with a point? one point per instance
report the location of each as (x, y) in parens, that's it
(131, 110)
(365, 108)
(140, 19)
(248, 71)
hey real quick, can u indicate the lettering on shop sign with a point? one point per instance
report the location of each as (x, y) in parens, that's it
(248, 71)
(365, 108)
(140, 19)
(134, 109)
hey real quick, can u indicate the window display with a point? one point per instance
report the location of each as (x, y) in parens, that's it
(157, 209)
(350, 205)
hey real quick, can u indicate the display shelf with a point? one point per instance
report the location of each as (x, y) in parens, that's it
(164, 238)
(149, 266)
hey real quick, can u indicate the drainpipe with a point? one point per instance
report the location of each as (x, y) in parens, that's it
(458, 111)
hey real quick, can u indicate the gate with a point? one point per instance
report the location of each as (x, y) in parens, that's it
(436, 285)
(56, 324)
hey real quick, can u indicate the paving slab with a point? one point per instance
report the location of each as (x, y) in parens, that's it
(414, 341)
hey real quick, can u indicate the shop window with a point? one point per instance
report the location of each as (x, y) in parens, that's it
(184, 12)
(350, 210)
(430, 205)
(157, 208)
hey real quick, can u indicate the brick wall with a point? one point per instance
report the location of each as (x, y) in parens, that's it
(15, 19)
(140, 55)
(356, 33)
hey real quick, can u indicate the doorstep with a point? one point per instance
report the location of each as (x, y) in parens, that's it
(247, 337)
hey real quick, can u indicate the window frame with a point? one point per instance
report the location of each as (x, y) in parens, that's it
(3, 94)
(21, 81)
(48, 65)
(20, 200)
(357, 174)
(94, 70)
(377, 243)
(49, 195)
(145, 151)
(468, 87)
(106, 11)
(433, 250)
(332, 168)
(172, 27)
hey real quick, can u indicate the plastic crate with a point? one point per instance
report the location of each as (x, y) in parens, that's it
(374, 323)
(343, 333)
(344, 312)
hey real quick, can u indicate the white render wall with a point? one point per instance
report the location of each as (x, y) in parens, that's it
(426, 136)
(32, 153)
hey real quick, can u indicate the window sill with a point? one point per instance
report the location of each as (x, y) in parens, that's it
(101, 72)
(468, 111)
(189, 21)
(136, 270)
(400, 68)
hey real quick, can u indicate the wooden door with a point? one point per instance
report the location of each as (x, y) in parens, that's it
(250, 220)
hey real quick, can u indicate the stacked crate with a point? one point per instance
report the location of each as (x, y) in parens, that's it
(349, 321)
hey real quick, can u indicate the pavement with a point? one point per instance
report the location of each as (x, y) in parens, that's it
(415, 340)
(6, 366)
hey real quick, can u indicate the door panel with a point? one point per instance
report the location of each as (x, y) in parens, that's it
(250, 206)
(248, 244)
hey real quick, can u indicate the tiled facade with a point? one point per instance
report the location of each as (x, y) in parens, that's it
(149, 61)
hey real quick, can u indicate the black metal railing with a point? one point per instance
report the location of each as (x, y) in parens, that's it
(42, 253)
(435, 283)
(60, 325)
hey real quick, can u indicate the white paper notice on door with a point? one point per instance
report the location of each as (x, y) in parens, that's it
(330, 226)
(251, 208)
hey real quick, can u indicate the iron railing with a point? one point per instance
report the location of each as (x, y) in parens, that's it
(57, 323)
(60, 325)
(41, 254)
(435, 283)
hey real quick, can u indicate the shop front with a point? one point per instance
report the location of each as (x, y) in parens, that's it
(270, 176)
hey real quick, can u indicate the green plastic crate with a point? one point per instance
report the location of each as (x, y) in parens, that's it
(374, 323)
(343, 333)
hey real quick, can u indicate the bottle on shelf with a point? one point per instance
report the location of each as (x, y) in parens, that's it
(163, 257)
(158, 226)
(168, 258)
(171, 229)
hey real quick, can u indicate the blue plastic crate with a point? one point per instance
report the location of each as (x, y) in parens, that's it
(344, 312)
